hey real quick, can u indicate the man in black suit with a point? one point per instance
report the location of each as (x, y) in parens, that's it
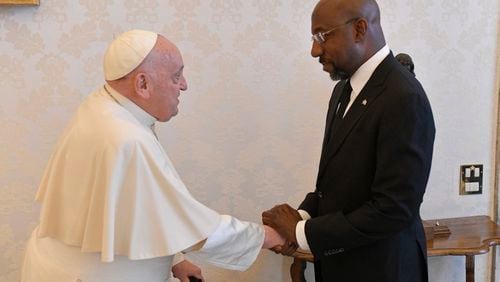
(362, 222)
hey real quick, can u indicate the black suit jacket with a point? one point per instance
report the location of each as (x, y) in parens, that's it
(373, 172)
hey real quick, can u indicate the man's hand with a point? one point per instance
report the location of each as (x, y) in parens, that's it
(283, 219)
(184, 269)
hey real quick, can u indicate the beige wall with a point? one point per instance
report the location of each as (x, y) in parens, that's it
(250, 126)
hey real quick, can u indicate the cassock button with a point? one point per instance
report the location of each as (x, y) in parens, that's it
(320, 195)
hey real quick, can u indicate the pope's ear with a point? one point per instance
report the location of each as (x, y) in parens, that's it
(142, 86)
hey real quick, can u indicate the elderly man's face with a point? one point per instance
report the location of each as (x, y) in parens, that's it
(334, 51)
(168, 82)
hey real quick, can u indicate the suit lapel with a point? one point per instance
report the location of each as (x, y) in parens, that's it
(373, 88)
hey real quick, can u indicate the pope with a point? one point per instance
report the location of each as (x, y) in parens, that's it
(113, 206)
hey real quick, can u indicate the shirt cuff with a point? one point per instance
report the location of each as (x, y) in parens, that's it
(305, 215)
(300, 234)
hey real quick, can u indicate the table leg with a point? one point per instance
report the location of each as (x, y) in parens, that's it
(297, 270)
(469, 268)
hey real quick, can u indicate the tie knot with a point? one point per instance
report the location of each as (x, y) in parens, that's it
(346, 92)
(344, 99)
(347, 88)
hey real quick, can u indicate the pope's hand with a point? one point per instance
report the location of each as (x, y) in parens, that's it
(184, 269)
(272, 238)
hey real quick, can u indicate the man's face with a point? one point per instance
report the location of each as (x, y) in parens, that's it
(333, 53)
(168, 82)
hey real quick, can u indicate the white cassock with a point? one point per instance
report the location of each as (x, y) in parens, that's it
(115, 209)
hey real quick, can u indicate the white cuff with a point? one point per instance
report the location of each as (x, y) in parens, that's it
(305, 215)
(300, 234)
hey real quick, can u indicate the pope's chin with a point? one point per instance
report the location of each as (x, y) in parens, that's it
(168, 116)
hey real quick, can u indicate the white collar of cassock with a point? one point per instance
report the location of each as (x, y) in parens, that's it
(142, 116)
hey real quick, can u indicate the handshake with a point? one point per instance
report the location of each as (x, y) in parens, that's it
(279, 224)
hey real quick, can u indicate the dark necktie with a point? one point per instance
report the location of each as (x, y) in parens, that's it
(344, 99)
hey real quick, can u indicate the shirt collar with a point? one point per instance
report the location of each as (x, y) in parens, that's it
(142, 116)
(365, 71)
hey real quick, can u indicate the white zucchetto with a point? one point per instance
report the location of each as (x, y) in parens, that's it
(127, 52)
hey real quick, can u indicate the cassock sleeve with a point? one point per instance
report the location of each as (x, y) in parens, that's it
(233, 245)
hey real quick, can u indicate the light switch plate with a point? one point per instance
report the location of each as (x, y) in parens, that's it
(471, 179)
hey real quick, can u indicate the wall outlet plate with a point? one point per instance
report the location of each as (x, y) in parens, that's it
(471, 179)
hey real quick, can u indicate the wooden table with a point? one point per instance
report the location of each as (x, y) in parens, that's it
(470, 236)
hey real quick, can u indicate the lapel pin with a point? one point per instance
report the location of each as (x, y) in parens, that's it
(364, 102)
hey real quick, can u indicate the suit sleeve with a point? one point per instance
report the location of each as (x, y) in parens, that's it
(404, 144)
(310, 204)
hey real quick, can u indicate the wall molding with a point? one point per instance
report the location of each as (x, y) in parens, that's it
(496, 165)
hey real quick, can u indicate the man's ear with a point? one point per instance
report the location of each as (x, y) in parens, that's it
(142, 86)
(361, 27)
